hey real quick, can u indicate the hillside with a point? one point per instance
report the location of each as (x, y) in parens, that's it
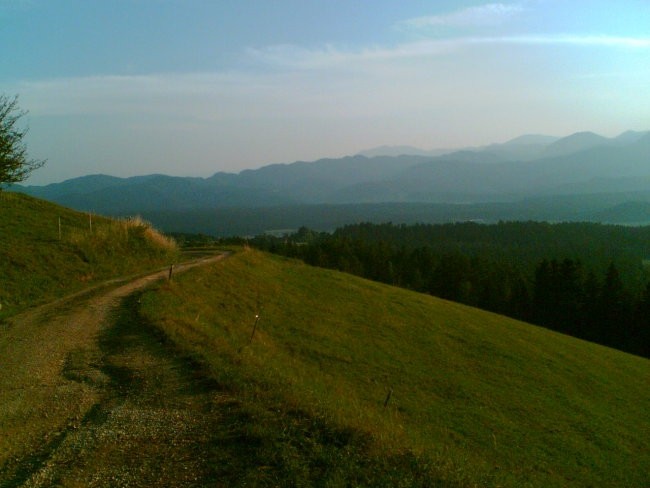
(39, 265)
(276, 184)
(342, 381)
(575, 143)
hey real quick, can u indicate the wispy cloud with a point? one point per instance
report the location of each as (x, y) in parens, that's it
(482, 15)
(578, 40)
(295, 57)
(188, 94)
(290, 56)
(289, 64)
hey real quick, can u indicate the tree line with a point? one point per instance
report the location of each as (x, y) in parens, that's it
(525, 270)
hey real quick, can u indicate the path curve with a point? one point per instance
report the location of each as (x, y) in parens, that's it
(56, 378)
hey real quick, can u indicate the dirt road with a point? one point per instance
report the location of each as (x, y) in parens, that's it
(91, 396)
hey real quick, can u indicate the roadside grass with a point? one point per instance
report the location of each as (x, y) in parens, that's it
(476, 399)
(223, 438)
(37, 266)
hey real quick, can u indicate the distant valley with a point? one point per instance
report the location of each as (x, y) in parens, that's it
(583, 176)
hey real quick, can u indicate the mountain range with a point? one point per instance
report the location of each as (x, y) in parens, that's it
(526, 168)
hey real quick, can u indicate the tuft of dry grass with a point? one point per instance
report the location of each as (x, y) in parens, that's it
(115, 233)
(152, 235)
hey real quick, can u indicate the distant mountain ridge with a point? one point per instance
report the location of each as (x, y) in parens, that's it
(524, 140)
(402, 151)
(574, 143)
(525, 167)
(525, 147)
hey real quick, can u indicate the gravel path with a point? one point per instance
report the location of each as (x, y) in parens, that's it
(90, 396)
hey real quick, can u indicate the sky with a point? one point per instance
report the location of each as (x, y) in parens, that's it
(193, 87)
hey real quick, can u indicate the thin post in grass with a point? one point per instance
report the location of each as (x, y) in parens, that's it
(59, 228)
(171, 271)
(257, 319)
(390, 392)
(257, 316)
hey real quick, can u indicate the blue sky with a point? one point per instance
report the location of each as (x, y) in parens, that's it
(189, 87)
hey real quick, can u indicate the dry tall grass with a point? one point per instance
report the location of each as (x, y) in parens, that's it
(117, 233)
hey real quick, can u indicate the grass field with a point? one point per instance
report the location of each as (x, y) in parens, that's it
(39, 264)
(262, 371)
(476, 399)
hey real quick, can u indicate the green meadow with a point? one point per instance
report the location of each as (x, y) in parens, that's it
(316, 377)
(41, 260)
(343, 381)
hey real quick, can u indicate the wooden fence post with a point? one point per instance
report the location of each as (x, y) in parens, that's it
(390, 392)
(257, 319)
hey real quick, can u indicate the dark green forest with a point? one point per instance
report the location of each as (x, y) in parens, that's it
(583, 279)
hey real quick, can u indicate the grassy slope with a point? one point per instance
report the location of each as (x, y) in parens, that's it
(478, 399)
(36, 266)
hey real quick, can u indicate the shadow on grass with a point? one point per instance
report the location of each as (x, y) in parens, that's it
(20, 473)
(257, 442)
(243, 441)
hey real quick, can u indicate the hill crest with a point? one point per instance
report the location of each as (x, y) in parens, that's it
(461, 381)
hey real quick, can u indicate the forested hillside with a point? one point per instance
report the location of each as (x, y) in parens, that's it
(587, 280)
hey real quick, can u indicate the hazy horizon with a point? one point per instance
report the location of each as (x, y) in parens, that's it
(375, 151)
(195, 87)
